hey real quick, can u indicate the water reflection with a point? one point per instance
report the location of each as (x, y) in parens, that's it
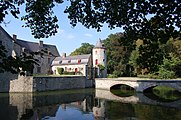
(85, 104)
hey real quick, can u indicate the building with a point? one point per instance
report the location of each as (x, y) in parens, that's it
(86, 65)
(100, 59)
(78, 64)
(15, 47)
(49, 53)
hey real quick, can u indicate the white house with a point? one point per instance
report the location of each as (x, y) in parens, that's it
(78, 64)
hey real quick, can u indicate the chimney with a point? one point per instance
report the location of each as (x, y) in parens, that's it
(63, 55)
(41, 43)
(14, 37)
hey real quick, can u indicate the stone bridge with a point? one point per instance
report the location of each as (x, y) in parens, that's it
(137, 83)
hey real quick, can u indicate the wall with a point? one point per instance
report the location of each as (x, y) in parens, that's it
(33, 84)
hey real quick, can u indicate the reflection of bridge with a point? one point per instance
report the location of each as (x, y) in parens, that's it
(138, 98)
(138, 84)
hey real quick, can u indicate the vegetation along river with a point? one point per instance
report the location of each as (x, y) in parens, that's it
(91, 104)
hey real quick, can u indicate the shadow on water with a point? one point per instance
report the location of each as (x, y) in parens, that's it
(123, 90)
(162, 94)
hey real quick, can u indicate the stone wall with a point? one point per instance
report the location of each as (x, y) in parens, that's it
(21, 84)
(33, 84)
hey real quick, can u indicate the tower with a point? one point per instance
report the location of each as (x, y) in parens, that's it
(100, 59)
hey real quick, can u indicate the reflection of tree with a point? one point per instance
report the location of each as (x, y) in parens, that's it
(119, 110)
(147, 112)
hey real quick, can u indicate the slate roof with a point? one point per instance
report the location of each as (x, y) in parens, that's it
(99, 44)
(34, 47)
(73, 60)
(1, 29)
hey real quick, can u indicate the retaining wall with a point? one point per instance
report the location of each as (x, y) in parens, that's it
(33, 84)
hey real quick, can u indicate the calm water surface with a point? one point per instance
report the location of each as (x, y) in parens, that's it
(85, 104)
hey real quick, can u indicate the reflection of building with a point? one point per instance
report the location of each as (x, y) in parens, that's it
(99, 110)
(34, 106)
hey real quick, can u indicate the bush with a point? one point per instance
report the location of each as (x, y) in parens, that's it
(166, 74)
(111, 76)
(60, 71)
(79, 73)
(69, 73)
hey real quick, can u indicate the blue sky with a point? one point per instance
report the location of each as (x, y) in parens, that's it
(67, 39)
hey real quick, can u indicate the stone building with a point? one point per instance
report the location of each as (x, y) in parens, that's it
(15, 47)
(49, 52)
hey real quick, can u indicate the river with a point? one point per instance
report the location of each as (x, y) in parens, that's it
(85, 104)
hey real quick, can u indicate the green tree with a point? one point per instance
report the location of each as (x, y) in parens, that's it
(140, 18)
(60, 70)
(85, 48)
(169, 68)
(117, 55)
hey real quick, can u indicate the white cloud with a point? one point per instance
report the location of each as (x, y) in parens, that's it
(70, 36)
(88, 35)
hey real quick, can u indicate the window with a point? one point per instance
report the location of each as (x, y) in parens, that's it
(48, 60)
(95, 52)
(69, 61)
(96, 61)
(38, 69)
(1, 42)
(79, 61)
(103, 60)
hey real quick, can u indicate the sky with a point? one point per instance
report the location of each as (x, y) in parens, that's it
(67, 39)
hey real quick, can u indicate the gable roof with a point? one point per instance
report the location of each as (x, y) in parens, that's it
(73, 60)
(35, 47)
(1, 29)
(32, 46)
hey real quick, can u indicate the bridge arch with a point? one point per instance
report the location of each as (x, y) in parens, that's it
(122, 86)
(148, 87)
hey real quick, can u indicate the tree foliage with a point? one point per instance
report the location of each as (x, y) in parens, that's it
(18, 64)
(85, 48)
(153, 19)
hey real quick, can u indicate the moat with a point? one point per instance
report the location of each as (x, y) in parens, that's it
(87, 104)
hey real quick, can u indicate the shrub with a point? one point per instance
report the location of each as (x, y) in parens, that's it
(69, 73)
(111, 76)
(60, 71)
(166, 74)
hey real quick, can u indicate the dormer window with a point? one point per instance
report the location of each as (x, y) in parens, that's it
(79, 61)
